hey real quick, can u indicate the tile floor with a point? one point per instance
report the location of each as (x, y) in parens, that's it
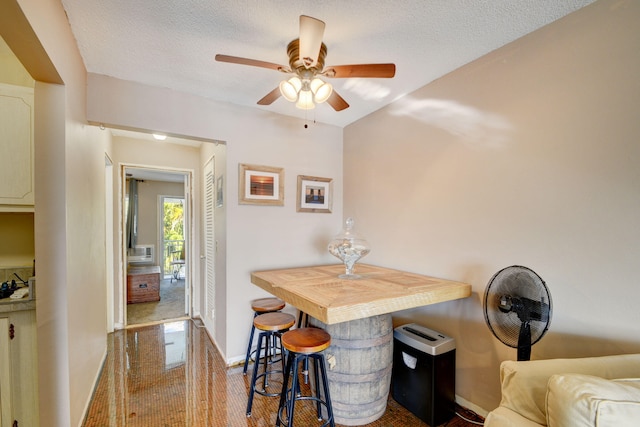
(171, 374)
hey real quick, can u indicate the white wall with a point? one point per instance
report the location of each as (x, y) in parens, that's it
(152, 154)
(11, 70)
(17, 228)
(527, 156)
(151, 219)
(257, 237)
(70, 205)
(267, 237)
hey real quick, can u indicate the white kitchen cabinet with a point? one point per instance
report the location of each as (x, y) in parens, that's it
(16, 148)
(18, 369)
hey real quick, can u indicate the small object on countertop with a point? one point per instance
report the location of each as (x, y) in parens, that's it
(20, 293)
(5, 290)
(19, 278)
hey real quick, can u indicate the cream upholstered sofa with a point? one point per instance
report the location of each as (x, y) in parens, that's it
(595, 391)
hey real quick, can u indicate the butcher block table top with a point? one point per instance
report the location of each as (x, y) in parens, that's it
(319, 292)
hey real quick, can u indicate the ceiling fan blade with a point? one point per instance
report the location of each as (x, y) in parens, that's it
(252, 62)
(361, 70)
(269, 98)
(337, 102)
(311, 33)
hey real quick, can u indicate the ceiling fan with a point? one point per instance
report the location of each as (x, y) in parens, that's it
(306, 65)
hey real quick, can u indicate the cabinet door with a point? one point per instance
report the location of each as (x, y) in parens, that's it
(16, 145)
(24, 368)
(5, 374)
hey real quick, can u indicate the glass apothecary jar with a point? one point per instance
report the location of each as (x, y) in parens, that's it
(349, 247)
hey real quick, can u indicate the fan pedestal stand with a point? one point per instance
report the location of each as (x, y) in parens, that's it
(524, 352)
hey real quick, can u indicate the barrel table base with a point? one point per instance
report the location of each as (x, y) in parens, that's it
(359, 363)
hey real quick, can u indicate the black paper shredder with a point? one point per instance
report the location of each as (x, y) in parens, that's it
(424, 373)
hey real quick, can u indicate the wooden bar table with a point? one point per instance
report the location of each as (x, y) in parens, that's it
(357, 315)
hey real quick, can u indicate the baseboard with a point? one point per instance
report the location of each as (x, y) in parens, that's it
(475, 408)
(94, 386)
(235, 361)
(201, 324)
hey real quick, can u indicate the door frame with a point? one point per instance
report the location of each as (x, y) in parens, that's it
(120, 321)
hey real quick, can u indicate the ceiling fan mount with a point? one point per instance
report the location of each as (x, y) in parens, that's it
(299, 65)
(307, 64)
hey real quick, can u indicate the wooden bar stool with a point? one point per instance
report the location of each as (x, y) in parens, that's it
(260, 306)
(271, 327)
(304, 344)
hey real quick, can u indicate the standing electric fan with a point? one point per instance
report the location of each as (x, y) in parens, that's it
(517, 308)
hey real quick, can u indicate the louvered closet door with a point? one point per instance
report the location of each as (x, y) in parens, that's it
(209, 238)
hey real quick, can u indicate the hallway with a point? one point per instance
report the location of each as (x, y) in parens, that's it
(171, 374)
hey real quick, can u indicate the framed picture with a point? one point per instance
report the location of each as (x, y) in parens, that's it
(219, 194)
(260, 185)
(314, 194)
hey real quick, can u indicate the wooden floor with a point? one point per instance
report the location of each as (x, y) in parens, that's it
(171, 374)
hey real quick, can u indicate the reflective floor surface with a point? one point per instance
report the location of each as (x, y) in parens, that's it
(171, 374)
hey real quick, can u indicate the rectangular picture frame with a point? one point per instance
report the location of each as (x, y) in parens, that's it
(260, 185)
(314, 194)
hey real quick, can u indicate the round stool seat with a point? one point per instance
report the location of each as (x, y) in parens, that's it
(276, 321)
(267, 305)
(306, 340)
(260, 306)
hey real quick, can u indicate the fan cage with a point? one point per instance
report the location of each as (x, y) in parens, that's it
(522, 283)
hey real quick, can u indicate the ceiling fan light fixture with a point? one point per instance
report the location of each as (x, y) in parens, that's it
(305, 100)
(307, 56)
(290, 88)
(321, 90)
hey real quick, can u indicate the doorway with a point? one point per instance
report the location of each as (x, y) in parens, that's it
(158, 238)
(174, 260)
(171, 231)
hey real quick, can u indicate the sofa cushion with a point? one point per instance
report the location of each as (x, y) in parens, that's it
(505, 417)
(524, 383)
(587, 401)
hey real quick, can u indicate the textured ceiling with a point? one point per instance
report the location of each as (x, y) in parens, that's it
(172, 44)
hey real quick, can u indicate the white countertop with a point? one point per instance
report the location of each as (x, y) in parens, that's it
(8, 305)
